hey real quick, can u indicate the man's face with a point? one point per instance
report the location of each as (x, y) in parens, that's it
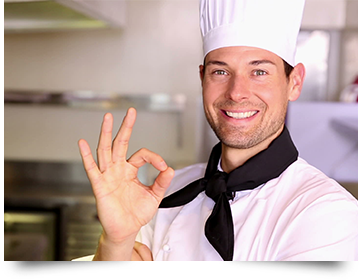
(245, 95)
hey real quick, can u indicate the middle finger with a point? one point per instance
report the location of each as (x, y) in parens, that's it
(121, 141)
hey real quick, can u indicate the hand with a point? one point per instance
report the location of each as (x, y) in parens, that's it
(124, 204)
(141, 253)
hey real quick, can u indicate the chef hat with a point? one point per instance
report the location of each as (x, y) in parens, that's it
(272, 25)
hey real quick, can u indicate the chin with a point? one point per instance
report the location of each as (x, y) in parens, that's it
(246, 140)
(235, 144)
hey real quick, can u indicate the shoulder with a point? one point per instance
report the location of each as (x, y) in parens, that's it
(317, 217)
(185, 176)
(305, 178)
(311, 196)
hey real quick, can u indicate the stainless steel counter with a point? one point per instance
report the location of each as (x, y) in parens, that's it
(47, 195)
(39, 188)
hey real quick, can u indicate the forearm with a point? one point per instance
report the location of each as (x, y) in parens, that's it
(109, 251)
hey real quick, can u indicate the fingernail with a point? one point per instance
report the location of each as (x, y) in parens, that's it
(163, 165)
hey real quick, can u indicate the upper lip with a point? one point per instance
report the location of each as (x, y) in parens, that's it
(240, 111)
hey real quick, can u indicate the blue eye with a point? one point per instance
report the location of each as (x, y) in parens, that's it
(260, 73)
(220, 72)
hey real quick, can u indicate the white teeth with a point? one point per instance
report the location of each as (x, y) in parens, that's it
(242, 115)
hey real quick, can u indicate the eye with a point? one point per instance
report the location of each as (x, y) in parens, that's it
(220, 72)
(259, 72)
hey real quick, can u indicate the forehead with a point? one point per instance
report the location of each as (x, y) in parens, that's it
(241, 54)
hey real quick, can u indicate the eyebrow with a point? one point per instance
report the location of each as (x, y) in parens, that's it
(216, 62)
(263, 61)
(253, 62)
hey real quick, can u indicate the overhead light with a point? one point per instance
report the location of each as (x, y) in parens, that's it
(39, 15)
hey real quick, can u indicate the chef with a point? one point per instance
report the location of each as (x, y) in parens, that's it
(255, 199)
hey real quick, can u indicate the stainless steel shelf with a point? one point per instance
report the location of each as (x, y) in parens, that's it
(157, 102)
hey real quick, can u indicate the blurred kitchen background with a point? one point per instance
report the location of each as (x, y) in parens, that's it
(68, 62)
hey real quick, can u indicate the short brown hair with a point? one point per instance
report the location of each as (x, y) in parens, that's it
(287, 69)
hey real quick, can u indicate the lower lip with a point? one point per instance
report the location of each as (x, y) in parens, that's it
(238, 120)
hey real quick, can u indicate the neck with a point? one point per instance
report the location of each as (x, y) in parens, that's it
(234, 157)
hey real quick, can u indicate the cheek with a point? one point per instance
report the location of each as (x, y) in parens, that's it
(210, 95)
(274, 96)
(277, 106)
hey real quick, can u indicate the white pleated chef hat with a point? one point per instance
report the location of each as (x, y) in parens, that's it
(272, 25)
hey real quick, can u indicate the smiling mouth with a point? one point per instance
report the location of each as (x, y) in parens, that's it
(240, 115)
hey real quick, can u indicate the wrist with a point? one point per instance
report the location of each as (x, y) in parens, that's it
(109, 250)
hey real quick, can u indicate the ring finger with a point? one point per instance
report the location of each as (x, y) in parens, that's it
(104, 149)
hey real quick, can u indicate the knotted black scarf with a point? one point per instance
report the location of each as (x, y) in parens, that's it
(220, 186)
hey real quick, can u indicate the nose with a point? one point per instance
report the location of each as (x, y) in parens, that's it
(238, 89)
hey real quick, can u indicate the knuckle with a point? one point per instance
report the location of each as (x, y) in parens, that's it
(106, 148)
(143, 150)
(123, 142)
(91, 166)
(87, 157)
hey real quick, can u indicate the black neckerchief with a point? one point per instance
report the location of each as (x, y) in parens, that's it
(220, 186)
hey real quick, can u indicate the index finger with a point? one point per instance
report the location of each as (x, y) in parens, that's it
(120, 143)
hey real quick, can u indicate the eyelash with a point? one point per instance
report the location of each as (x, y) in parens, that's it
(255, 72)
(262, 71)
(217, 72)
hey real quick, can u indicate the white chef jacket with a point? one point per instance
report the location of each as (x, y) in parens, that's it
(300, 216)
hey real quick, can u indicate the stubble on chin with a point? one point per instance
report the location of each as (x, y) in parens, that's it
(244, 138)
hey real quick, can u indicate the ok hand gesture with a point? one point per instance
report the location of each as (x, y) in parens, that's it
(124, 204)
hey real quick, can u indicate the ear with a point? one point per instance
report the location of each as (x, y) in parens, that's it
(201, 73)
(296, 81)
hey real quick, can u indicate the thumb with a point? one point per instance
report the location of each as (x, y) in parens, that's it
(141, 252)
(162, 182)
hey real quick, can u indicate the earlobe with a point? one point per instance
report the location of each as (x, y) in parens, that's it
(297, 78)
